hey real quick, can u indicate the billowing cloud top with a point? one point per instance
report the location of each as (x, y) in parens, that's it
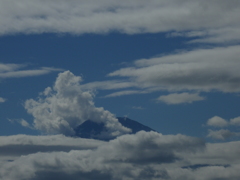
(65, 106)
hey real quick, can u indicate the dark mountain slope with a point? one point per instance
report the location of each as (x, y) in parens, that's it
(93, 130)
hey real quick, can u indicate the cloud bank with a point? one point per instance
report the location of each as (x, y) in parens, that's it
(202, 19)
(142, 156)
(65, 106)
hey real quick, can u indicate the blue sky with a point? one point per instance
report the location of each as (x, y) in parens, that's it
(171, 65)
(95, 56)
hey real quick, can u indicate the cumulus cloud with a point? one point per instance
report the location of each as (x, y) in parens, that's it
(65, 106)
(13, 71)
(2, 100)
(200, 70)
(217, 121)
(221, 134)
(235, 121)
(35, 16)
(180, 98)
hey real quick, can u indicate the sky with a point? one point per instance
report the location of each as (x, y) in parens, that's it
(171, 65)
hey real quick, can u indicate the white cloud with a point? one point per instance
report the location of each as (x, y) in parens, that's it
(142, 156)
(94, 16)
(200, 70)
(235, 121)
(10, 67)
(221, 134)
(224, 35)
(12, 71)
(108, 85)
(2, 100)
(180, 98)
(217, 121)
(126, 92)
(65, 106)
(22, 122)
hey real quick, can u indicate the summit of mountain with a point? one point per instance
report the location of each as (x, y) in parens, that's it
(93, 130)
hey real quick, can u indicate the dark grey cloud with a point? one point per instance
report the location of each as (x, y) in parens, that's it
(138, 156)
(17, 145)
(141, 156)
(150, 147)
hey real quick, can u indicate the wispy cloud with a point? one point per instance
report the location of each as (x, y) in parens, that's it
(176, 98)
(200, 70)
(2, 100)
(22, 122)
(35, 16)
(125, 92)
(138, 107)
(109, 85)
(13, 71)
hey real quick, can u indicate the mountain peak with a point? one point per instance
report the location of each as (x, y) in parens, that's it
(94, 130)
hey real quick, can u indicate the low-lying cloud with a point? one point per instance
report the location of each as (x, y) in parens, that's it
(12, 147)
(142, 156)
(63, 107)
